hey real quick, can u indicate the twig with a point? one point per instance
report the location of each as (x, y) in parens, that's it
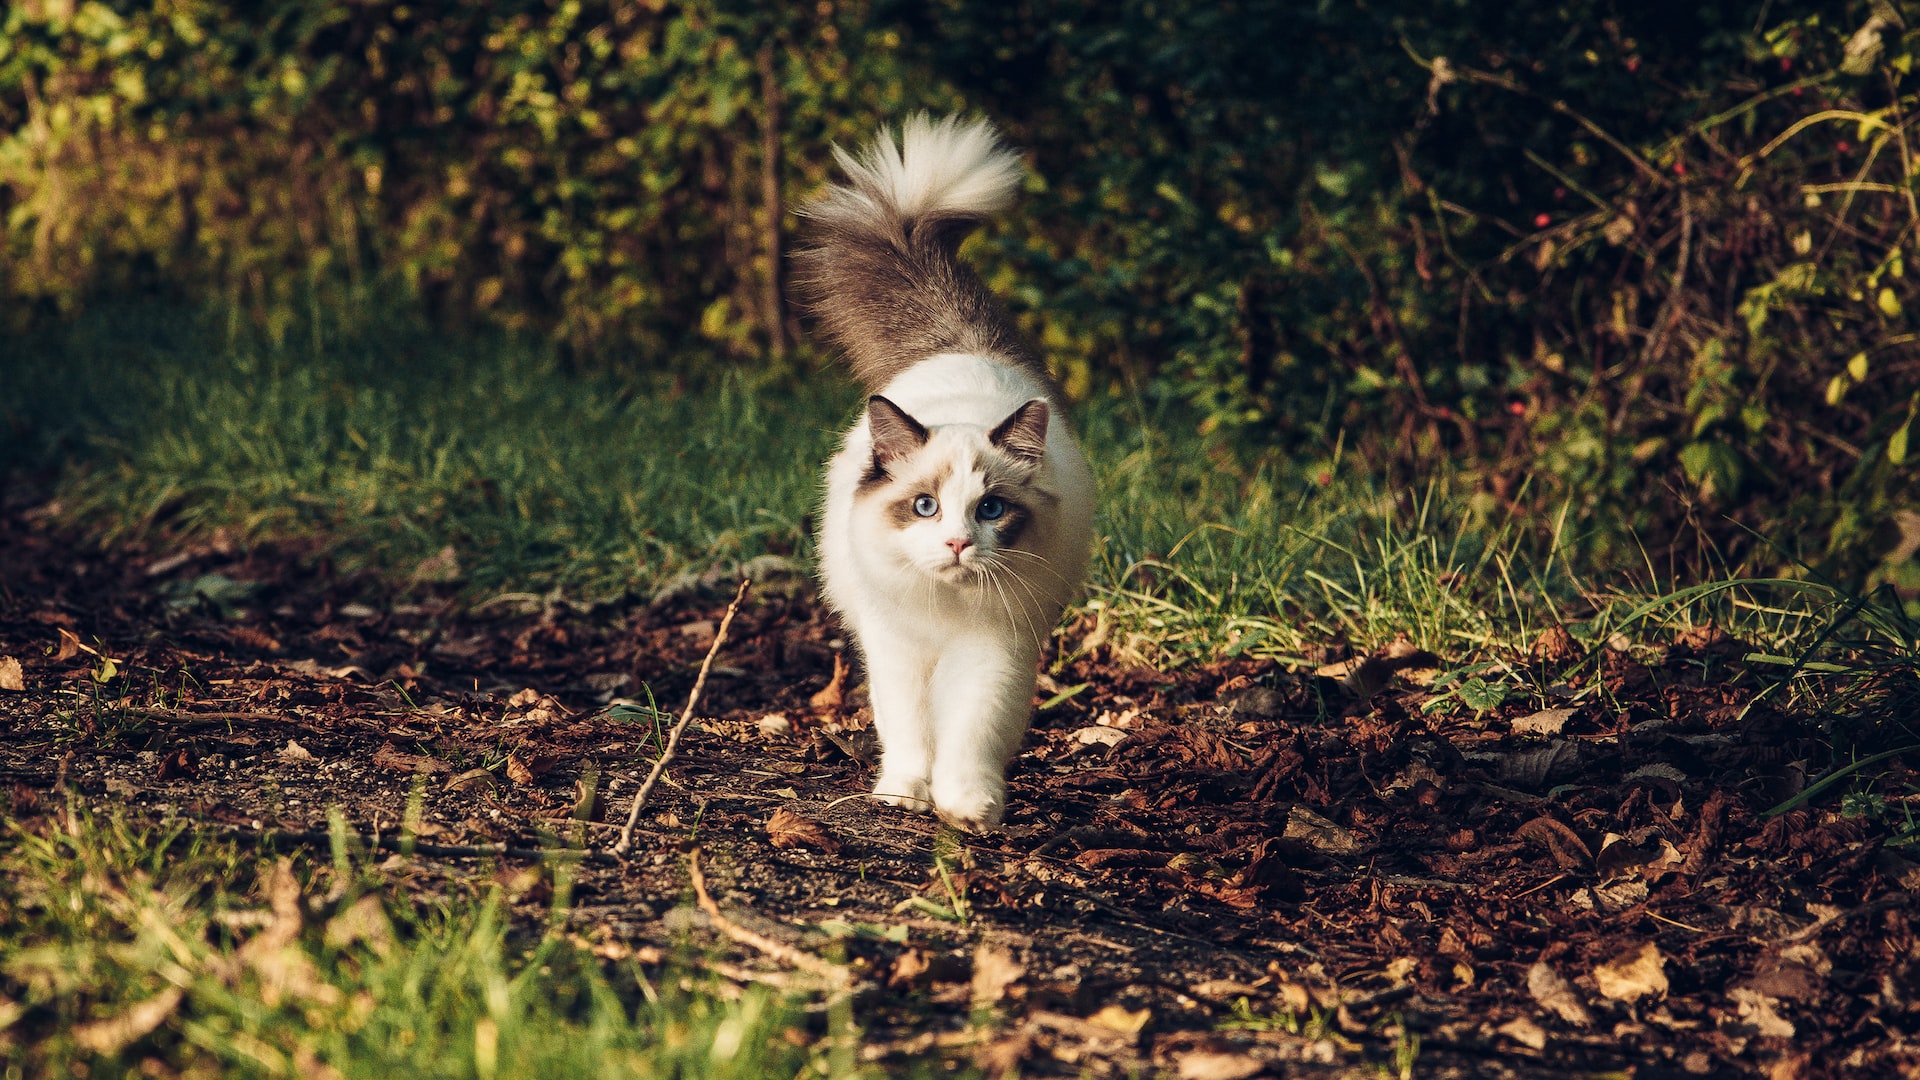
(780, 951)
(673, 740)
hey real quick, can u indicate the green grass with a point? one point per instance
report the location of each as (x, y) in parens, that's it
(382, 443)
(387, 443)
(155, 950)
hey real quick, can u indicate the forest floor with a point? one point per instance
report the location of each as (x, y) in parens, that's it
(1224, 870)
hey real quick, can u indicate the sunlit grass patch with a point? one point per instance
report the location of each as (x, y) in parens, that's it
(157, 950)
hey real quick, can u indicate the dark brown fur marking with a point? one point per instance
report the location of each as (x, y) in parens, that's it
(890, 291)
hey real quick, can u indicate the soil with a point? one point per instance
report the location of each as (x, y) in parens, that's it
(1190, 857)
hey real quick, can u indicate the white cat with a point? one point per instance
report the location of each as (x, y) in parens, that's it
(958, 516)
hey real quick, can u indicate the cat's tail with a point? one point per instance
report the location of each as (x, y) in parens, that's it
(880, 275)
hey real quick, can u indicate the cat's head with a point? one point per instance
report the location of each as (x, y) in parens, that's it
(955, 501)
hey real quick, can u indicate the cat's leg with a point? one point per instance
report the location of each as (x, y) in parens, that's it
(982, 703)
(897, 673)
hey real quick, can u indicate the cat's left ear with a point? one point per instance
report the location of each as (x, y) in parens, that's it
(1024, 434)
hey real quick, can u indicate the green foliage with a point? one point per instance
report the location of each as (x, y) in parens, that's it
(1645, 263)
(591, 169)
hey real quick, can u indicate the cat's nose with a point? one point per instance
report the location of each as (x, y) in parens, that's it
(959, 544)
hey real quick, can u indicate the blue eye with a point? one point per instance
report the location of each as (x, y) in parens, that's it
(991, 508)
(926, 506)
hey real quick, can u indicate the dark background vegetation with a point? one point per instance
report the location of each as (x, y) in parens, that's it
(1641, 261)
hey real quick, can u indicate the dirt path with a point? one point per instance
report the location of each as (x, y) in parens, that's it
(1191, 856)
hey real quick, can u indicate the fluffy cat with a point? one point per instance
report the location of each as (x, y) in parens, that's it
(958, 515)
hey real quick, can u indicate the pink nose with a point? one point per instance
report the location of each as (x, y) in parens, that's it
(959, 544)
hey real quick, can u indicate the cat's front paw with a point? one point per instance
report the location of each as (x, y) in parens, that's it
(975, 806)
(906, 792)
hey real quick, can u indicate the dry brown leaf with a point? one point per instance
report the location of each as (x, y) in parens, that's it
(364, 922)
(1124, 1021)
(523, 699)
(835, 694)
(1552, 992)
(391, 757)
(1757, 1009)
(994, 969)
(254, 638)
(295, 752)
(787, 829)
(1207, 1065)
(908, 968)
(12, 677)
(69, 645)
(108, 1037)
(1544, 722)
(179, 764)
(1555, 645)
(1568, 850)
(472, 778)
(1633, 974)
(1525, 1032)
(1320, 834)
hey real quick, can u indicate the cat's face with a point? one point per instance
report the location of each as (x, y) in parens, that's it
(955, 503)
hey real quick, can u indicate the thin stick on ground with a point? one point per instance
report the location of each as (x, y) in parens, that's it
(780, 951)
(679, 727)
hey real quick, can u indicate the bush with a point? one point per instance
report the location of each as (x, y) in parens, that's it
(1643, 261)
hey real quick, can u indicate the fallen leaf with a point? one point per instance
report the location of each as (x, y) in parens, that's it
(994, 969)
(1757, 1009)
(1106, 736)
(11, 675)
(440, 568)
(787, 829)
(908, 968)
(108, 1037)
(1207, 1065)
(833, 696)
(365, 922)
(1525, 1032)
(1552, 992)
(472, 778)
(1544, 722)
(179, 764)
(1633, 974)
(775, 724)
(1568, 850)
(1320, 834)
(390, 757)
(295, 752)
(1555, 645)
(70, 646)
(1124, 1021)
(520, 770)
(524, 698)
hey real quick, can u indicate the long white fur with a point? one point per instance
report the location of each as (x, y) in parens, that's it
(951, 663)
(945, 166)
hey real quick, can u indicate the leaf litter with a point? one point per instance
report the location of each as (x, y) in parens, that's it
(1219, 870)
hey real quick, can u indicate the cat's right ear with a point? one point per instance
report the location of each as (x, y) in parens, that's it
(895, 434)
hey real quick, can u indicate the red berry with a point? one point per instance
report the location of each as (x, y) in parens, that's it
(1541, 221)
(1679, 168)
(1786, 63)
(1843, 146)
(1633, 64)
(1517, 408)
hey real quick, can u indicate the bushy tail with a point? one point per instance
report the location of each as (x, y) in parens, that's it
(880, 274)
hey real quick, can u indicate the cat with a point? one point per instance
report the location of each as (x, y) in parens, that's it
(957, 520)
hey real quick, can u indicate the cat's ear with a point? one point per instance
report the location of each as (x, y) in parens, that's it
(1024, 434)
(895, 434)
